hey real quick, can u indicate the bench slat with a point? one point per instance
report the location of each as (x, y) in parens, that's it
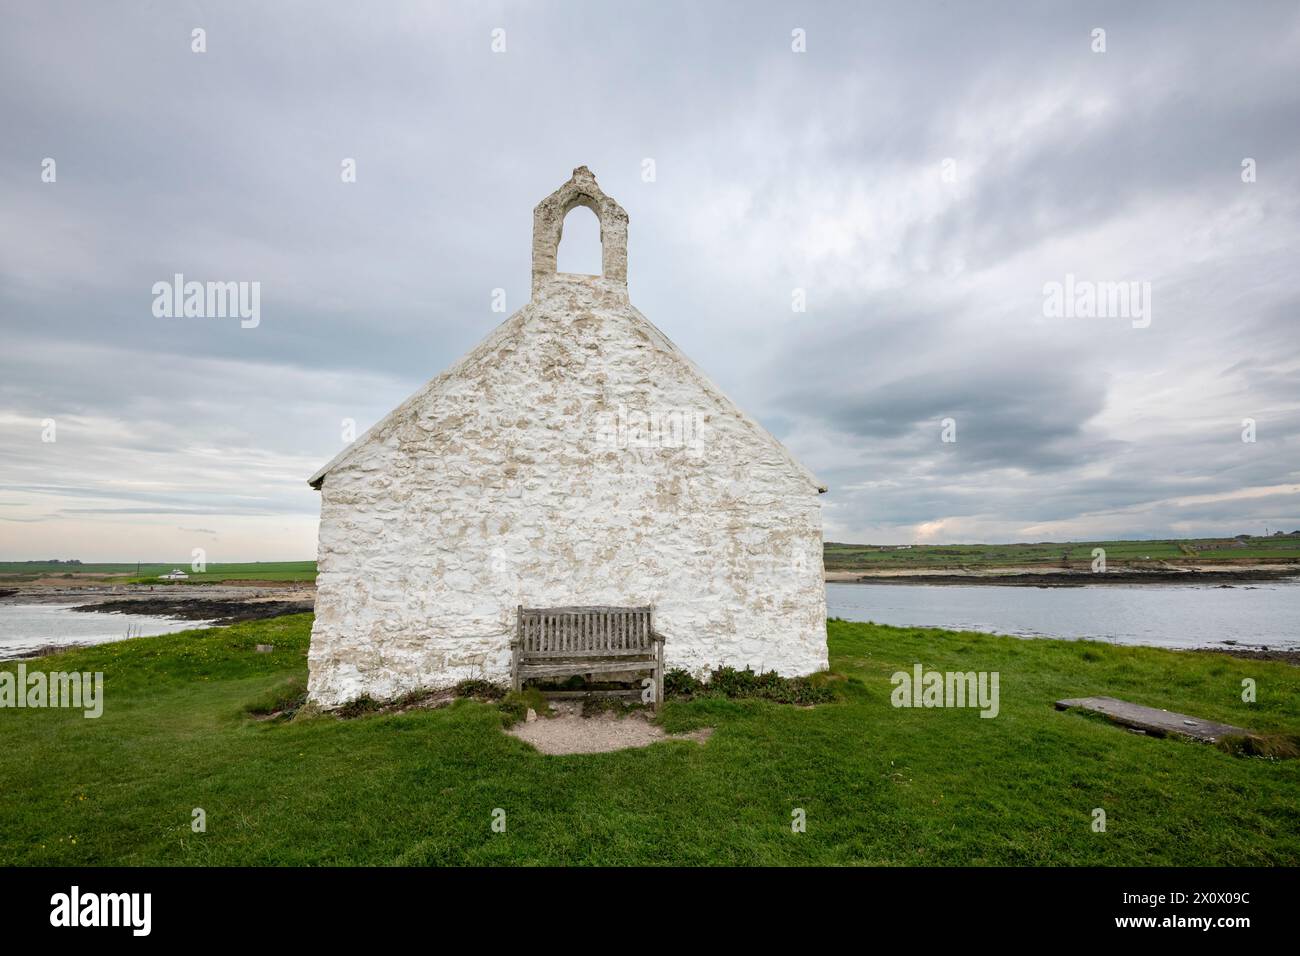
(588, 632)
(645, 652)
(587, 608)
(587, 666)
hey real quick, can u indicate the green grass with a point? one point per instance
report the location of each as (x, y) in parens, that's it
(880, 785)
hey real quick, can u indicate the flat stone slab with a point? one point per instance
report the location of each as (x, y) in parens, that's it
(1153, 721)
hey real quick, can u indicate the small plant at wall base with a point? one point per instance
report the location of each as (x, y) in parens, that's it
(359, 707)
(480, 689)
(735, 684)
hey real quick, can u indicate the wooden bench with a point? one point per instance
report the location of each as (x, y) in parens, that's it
(567, 641)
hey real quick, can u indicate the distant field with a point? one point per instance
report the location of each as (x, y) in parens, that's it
(1279, 549)
(20, 571)
(854, 557)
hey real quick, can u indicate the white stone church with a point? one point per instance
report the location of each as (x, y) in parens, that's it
(575, 457)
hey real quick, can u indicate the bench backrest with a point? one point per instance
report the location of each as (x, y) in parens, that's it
(585, 631)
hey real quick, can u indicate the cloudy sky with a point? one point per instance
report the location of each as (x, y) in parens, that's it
(922, 172)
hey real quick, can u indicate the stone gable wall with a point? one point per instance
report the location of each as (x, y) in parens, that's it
(525, 478)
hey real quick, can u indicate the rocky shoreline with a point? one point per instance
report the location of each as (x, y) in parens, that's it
(1253, 652)
(217, 604)
(217, 612)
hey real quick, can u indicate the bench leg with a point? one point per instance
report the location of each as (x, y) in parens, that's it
(659, 675)
(515, 647)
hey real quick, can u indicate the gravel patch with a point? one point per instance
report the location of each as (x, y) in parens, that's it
(568, 732)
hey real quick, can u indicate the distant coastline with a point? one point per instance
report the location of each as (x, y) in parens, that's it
(1212, 562)
(1039, 577)
(1224, 561)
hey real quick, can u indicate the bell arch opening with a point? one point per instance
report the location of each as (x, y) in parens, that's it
(580, 251)
(610, 226)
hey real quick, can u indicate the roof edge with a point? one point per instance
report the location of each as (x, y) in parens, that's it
(318, 479)
(748, 419)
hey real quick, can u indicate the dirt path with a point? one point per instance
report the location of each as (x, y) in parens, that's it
(568, 732)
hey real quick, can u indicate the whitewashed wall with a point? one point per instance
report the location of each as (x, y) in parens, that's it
(506, 481)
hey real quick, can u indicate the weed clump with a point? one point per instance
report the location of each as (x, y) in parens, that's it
(515, 705)
(480, 689)
(747, 684)
(359, 707)
(1267, 746)
(618, 707)
(281, 702)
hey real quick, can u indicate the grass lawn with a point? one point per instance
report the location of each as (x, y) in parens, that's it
(879, 785)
